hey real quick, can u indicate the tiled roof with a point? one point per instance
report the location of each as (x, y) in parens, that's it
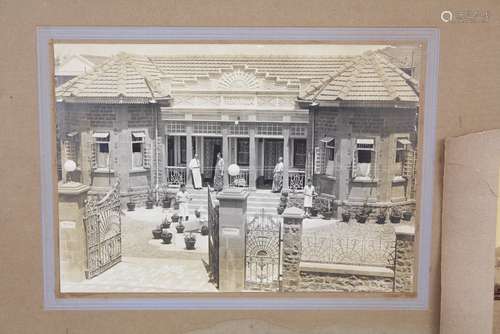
(369, 77)
(288, 69)
(95, 59)
(123, 78)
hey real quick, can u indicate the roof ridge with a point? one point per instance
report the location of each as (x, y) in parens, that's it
(385, 81)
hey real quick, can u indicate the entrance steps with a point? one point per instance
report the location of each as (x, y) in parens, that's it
(257, 201)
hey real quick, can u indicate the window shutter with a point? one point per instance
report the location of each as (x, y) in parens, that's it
(319, 160)
(409, 164)
(93, 155)
(146, 159)
(354, 162)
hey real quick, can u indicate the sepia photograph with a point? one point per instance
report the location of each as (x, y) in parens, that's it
(237, 167)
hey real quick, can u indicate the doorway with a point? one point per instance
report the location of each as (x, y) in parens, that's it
(273, 150)
(211, 146)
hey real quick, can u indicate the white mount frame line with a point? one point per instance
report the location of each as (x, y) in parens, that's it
(47, 34)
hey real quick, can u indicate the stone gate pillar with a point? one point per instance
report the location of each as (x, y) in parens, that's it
(72, 245)
(292, 248)
(404, 280)
(232, 222)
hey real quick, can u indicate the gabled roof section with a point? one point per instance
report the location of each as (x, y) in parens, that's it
(369, 78)
(123, 78)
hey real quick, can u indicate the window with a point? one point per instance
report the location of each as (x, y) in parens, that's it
(138, 139)
(101, 150)
(299, 153)
(183, 149)
(329, 154)
(170, 151)
(363, 157)
(402, 146)
(243, 152)
(72, 147)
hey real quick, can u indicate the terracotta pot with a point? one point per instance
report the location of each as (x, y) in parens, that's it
(280, 210)
(165, 224)
(180, 228)
(361, 218)
(130, 206)
(166, 203)
(149, 204)
(175, 219)
(166, 237)
(190, 242)
(380, 219)
(157, 233)
(407, 215)
(346, 216)
(314, 212)
(204, 230)
(395, 219)
(327, 215)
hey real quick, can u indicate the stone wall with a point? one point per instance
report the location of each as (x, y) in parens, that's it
(405, 258)
(322, 281)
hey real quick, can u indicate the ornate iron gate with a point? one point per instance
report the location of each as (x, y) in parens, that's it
(213, 240)
(102, 221)
(263, 253)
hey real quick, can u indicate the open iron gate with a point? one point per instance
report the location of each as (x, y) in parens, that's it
(213, 240)
(102, 221)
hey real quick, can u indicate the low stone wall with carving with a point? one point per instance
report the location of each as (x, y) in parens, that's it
(405, 258)
(346, 278)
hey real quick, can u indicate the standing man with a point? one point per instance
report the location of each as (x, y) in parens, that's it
(309, 194)
(183, 199)
(219, 173)
(278, 176)
(194, 166)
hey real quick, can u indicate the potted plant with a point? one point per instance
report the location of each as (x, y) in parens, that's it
(130, 205)
(165, 223)
(395, 216)
(180, 228)
(204, 230)
(190, 241)
(327, 214)
(175, 218)
(280, 209)
(363, 213)
(165, 203)
(150, 200)
(407, 215)
(346, 216)
(166, 237)
(382, 214)
(157, 233)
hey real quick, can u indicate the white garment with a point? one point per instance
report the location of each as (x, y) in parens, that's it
(279, 167)
(194, 165)
(183, 198)
(309, 192)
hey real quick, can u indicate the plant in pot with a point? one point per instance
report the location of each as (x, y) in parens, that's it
(166, 237)
(407, 215)
(180, 228)
(395, 216)
(346, 216)
(150, 200)
(382, 214)
(175, 218)
(363, 213)
(165, 223)
(130, 205)
(190, 241)
(204, 230)
(165, 203)
(157, 233)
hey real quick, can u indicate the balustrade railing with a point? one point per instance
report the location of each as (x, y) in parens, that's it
(175, 175)
(296, 180)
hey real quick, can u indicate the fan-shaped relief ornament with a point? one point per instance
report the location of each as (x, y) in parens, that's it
(238, 80)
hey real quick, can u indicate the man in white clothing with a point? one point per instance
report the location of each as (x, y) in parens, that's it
(194, 166)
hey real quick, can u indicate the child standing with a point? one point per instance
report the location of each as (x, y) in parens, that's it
(309, 194)
(183, 199)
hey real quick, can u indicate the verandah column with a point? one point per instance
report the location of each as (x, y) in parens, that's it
(252, 157)
(286, 156)
(189, 153)
(225, 154)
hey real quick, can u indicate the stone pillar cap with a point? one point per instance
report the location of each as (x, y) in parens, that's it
(404, 229)
(72, 188)
(293, 212)
(232, 193)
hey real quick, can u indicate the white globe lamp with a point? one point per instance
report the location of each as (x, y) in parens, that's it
(69, 167)
(233, 170)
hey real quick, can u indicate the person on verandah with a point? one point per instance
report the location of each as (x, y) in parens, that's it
(183, 199)
(278, 176)
(194, 166)
(219, 173)
(309, 194)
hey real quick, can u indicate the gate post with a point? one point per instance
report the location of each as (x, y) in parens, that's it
(404, 258)
(292, 248)
(72, 254)
(232, 222)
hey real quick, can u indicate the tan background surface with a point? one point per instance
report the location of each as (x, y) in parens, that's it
(469, 86)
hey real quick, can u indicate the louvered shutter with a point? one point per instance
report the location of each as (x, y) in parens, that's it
(409, 164)
(93, 155)
(319, 160)
(354, 165)
(147, 151)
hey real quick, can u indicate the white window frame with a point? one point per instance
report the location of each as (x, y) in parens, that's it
(364, 144)
(137, 137)
(102, 138)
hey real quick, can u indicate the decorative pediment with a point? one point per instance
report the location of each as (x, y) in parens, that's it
(238, 80)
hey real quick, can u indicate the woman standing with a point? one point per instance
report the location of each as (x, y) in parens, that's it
(309, 194)
(278, 176)
(219, 173)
